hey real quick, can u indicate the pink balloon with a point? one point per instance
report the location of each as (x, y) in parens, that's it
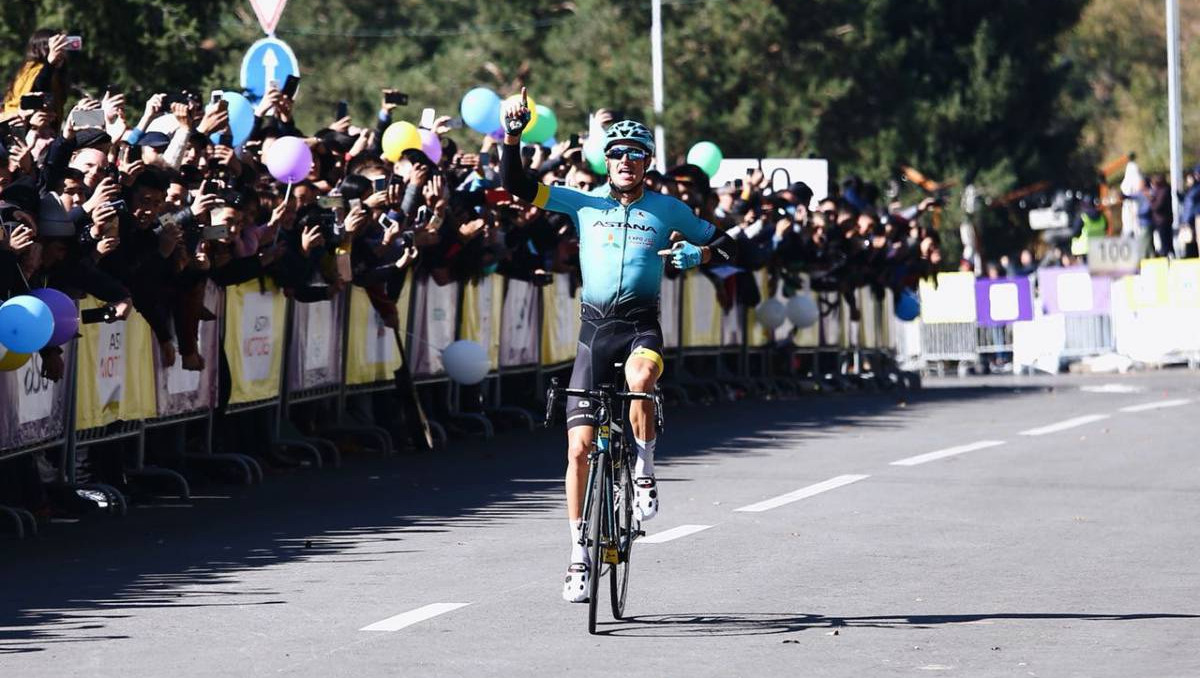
(289, 159)
(431, 144)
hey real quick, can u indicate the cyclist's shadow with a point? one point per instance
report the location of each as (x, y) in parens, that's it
(765, 624)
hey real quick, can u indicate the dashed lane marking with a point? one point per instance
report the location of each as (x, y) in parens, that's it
(802, 493)
(948, 452)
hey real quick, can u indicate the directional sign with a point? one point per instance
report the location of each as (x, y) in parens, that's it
(266, 60)
(268, 13)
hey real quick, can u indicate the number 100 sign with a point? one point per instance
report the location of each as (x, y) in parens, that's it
(1113, 256)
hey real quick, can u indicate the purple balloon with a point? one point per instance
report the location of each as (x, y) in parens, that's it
(289, 159)
(66, 316)
(431, 144)
(498, 135)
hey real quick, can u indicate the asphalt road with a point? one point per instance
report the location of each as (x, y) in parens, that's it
(1036, 527)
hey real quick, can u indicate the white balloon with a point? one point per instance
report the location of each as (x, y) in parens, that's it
(465, 361)
(802, 310)
(771, 314)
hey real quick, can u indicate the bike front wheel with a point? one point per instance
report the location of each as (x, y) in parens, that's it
(624, 532)
(595, 533)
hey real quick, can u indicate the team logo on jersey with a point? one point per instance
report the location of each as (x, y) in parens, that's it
(645, 228)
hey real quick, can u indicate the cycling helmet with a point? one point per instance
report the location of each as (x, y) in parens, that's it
(629, 130)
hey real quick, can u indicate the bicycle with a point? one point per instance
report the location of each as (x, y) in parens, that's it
(609, 528)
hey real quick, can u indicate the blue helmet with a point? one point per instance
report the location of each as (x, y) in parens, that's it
(631, 131)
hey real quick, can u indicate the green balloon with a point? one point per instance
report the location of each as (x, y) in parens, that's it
(706, 156)
(543, 128)
(593, 152)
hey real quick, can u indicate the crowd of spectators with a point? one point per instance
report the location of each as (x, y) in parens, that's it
(141, 203)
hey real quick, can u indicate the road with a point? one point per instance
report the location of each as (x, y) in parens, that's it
(1033, 527)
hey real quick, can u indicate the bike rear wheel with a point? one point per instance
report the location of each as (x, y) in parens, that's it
(624, 533)
(596, 518)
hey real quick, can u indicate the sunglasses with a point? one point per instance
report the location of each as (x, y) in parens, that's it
(618, 152)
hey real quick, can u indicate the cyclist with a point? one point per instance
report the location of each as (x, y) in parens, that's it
(623, 232)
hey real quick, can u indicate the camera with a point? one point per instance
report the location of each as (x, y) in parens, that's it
(74, 43)
(33, 102)
(391, 96)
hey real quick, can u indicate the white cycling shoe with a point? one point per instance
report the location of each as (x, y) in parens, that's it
(575, 588)
(645, 498)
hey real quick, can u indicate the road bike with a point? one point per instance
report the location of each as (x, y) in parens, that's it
(609, 527)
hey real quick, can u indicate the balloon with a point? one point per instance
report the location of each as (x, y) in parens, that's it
(66, 316)
(289, 159)
(802, 310)
(908, 305)
(706, 156)
(432, 145)
(480, 110)
(241, 118)
(26, 324)
(11, 361)
(398, 138)
(771, 314)
(593, 151)
(465, 361)
(533, 112)
(541, 127)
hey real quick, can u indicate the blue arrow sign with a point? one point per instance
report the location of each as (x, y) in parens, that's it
(266, 60)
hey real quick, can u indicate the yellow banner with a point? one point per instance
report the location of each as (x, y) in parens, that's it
(254, 329)
(701, 312)
(482, 305)
(560, 321)
(371, 354)
(758, 334)
(1150, 288)
(1184, 283)
(952, 301)
(115, 371)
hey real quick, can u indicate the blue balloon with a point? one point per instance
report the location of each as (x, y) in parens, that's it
(241, 119)
(908, 305)
(481, 110)
(26, 324)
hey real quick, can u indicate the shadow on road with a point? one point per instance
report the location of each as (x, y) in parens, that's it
(766, 624)
(63, 588)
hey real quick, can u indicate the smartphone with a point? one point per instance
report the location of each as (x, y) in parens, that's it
(395, 180)
(112, 90)
(118, 204)
(387, 222)
(209, 187)
(290, 85)
(355, 203)
(574, 141)
(342, 110)
(456, 123)
(215, 96)
(74, 43)
(330, 202)
(33, 102)
(222, 105)
(484, 159)
(215, 232)
(427, 117)
(379, 184)
(226, 139)
(496, 196)
(104, 314)
(394, 97)
(87, 119)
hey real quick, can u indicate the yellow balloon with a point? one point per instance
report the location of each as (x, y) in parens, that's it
(11, 361)
(398, 138)
(516, 98)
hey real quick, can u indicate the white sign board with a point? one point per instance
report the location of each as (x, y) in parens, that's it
(1113, 256)
(780, 172)
(1048, 218)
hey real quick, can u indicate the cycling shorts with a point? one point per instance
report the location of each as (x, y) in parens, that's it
(603, 343)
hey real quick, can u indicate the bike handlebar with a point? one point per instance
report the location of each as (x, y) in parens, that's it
(554, 393)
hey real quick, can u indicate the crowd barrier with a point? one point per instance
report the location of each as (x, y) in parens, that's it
(275, 355)
(1058, 315)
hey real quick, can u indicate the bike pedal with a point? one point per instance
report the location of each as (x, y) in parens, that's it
(612, 556)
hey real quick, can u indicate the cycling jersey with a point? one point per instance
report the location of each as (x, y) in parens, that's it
(619, 244)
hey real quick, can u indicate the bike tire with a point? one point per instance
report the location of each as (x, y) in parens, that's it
(596, 519)
(625, 534)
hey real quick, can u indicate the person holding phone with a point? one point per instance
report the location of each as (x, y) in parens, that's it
(625, 233)
(41, 71)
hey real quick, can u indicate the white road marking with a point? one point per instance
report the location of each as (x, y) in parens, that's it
(948, 452)
(413, 616)
(1156, 405)
(802, 493)
(673, 533)
(1064, 425)
(1112, 388)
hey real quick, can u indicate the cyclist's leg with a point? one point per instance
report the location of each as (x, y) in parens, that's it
(581, 431)
(642, 370)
